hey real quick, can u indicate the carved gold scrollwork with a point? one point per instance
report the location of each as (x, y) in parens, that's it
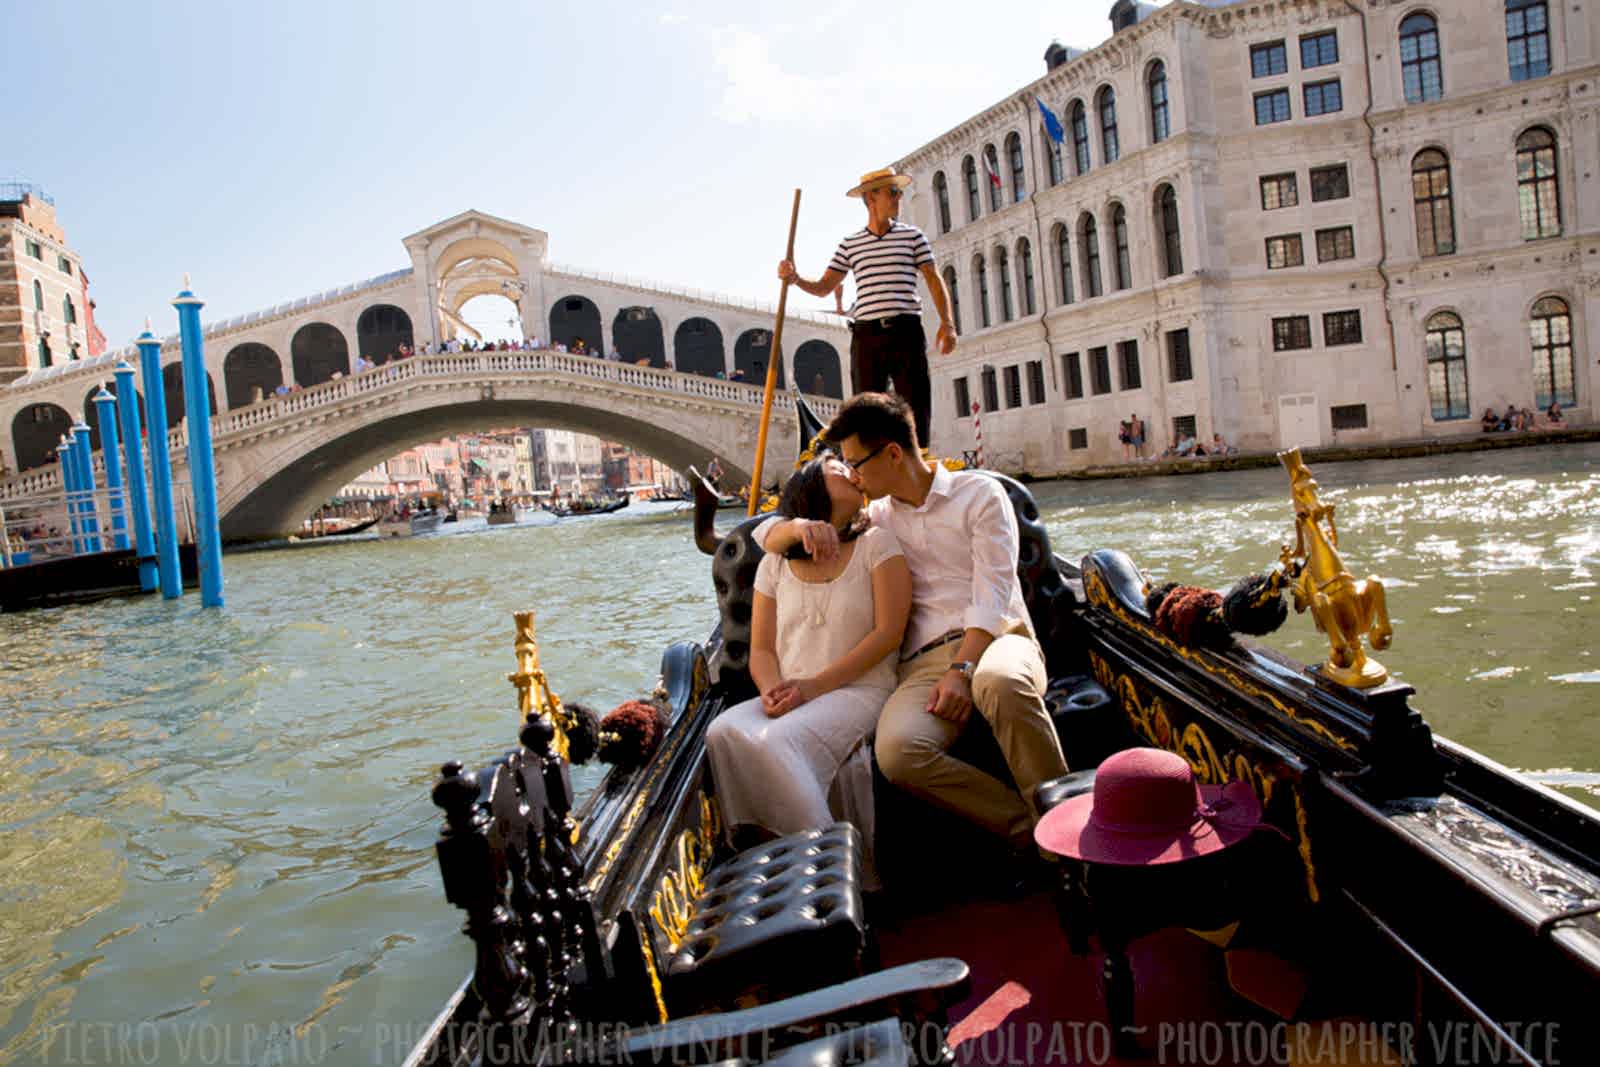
(684, 882)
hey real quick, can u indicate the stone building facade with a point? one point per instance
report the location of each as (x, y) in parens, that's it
(1287, 222)
(46, 316)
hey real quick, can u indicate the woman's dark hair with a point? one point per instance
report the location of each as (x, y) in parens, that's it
(805, 496)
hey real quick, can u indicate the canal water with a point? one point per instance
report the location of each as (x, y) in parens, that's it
(216, 842)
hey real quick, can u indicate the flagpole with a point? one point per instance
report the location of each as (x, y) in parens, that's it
(774, 356)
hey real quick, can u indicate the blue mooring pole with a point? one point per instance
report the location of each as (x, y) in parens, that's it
(91, 521)
(202, 462)
(133, 451)
(105, 409)
(68, 461)
(155, 416)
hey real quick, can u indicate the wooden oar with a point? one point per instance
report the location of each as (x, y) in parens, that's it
(774, 355)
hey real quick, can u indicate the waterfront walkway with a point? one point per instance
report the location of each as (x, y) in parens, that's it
(1338, 453)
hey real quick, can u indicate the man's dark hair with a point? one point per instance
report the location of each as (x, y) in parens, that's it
(805, 496)
(874, 419)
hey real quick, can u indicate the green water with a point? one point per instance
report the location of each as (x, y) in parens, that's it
(217, 837)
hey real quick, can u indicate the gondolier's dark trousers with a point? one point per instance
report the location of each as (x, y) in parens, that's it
(894, 349)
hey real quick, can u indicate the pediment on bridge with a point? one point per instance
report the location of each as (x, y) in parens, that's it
(475, 224)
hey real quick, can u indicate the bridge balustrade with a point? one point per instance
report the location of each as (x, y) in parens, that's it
(442, 365)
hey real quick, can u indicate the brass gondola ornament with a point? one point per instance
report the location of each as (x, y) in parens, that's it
(534, 695)
(1344, 608)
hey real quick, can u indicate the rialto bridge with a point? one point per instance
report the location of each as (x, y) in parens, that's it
(279, 457)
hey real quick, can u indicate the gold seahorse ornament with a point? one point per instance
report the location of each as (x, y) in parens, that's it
(1345, 609)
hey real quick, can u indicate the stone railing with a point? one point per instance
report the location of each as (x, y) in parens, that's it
(454, 366)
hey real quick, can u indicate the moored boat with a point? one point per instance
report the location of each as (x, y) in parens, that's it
(1410, 897)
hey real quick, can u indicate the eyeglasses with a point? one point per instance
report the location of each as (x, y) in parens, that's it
(856, 465)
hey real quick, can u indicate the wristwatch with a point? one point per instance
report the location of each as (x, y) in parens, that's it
(964, 666)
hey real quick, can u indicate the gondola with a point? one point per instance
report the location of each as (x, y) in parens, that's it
(579, 510)
(1408, 898)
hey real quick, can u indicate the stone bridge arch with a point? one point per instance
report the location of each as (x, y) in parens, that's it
(636, 334)
(248, 366)
(36, 431)
(575, 317)
(172, 389)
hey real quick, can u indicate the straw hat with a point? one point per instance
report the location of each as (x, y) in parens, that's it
(1146, 809)
(875, 179)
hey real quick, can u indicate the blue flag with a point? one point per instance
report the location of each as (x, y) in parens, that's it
(1052, 125)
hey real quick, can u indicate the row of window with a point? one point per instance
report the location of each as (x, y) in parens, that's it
(1292, 332)
(1555, 371)
(1331, 182)
(1170, 262)
(1077, 131)
(1320, 49)
(34, 249)
(69, 313)
(1180, 368)
(1285, 250)
(1317, 98)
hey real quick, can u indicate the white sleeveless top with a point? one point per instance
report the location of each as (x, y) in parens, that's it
(819, 622)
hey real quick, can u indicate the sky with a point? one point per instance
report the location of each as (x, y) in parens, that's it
(272, 151)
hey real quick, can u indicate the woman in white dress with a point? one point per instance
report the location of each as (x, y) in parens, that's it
(824, 640)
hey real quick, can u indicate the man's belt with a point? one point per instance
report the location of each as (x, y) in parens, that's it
(937, 642)
(888, 322)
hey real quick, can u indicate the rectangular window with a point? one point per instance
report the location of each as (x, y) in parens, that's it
(963, 398)
(1072, 371)
(1341, 328)
(1036, 381)
(1285, 250)
(1527, 39)
(1100, 370)
(1128, 362)
(1077, 439)
(64, 264)
(1291, 332)
(1013, 386)
(1182, 426)
(1268, 59)
(1319, 49)
(1180, 365)
(1330, 183)
(1279, 190)
(1336, 243)
(1272, 107)
(33, 249)
(1324, 98)
(1349, 416)
(991, 392)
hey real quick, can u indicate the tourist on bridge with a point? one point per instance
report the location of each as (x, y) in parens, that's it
(887, 342)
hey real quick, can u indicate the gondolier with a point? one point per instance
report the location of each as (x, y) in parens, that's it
(887, 342)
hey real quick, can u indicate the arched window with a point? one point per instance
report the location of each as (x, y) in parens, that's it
(955, 298)
(1430, 193)
(991, 165)
(1419, 58)
(941, 195)
(1171, 241)
(1446, 347)
(1025, 262)
(1160, 118)
(38, 296)
(1554, 374)
(982, 271)
(1538, 187)
(1002, 267)
(1063, 264)
(69, 314)
(1119, 238)
(1080, 137)
(1528, 38)
(1058, 171)
(969, 174)
(1089, 242)
(44, 352)
(1107, 104)
(1019, 185)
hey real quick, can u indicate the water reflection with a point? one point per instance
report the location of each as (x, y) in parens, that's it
(223, 817)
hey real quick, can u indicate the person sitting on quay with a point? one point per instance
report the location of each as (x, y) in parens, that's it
(1219, 447)
(1553, 415)
(1490, 420)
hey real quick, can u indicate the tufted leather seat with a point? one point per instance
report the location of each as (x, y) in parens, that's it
(782, 918)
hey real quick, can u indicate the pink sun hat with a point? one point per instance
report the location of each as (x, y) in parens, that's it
(1147, 808)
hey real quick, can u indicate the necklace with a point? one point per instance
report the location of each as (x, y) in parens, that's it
(817, 614)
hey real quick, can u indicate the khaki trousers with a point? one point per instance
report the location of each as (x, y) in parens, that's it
(1008, 690)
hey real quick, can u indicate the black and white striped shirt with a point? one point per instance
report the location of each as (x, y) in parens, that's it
(885, 269)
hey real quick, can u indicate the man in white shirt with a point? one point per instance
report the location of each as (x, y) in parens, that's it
(969, 643)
